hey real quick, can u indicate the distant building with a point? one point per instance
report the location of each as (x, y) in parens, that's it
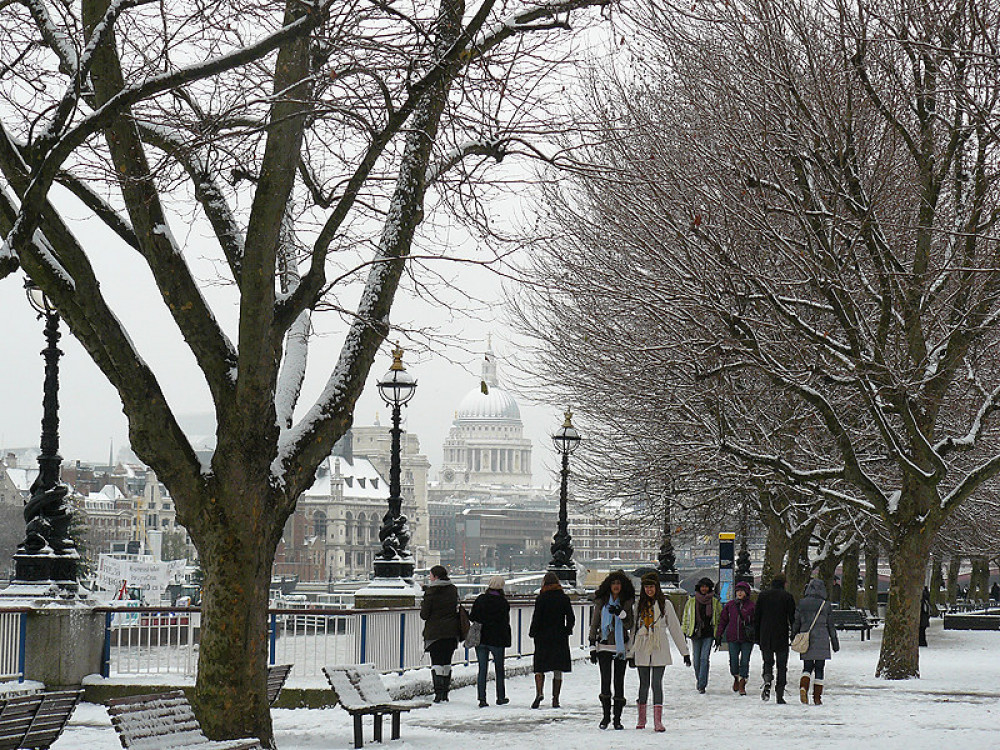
(486, 443)
(16, 479)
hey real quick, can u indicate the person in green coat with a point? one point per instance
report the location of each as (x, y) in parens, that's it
(701, 618)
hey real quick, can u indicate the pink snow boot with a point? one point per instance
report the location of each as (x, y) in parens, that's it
(658, 719)
(641, 723)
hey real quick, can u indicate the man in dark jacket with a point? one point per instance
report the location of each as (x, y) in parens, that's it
(773, 618)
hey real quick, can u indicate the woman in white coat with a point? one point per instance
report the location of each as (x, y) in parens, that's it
(650, 649)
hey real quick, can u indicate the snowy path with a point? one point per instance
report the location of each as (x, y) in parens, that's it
(955, 706)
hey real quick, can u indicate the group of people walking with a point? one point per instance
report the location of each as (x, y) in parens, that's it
(627, 630)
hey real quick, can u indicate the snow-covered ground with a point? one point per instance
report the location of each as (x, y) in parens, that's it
(954, 706)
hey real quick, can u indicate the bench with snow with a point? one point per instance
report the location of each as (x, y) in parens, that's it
(852, 619)
(360, 691)
(276, 676)
(35, 721)
(165, 721)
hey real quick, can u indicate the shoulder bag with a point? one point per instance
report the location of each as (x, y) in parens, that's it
(800, 643)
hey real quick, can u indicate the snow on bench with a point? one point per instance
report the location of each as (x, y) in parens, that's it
(165, 721)
(276, 676)
(360, 691)
(35, 721)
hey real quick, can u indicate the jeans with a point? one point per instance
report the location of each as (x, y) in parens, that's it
(782, 664)
(739, 659)
(701, 650)
(483, 654)
(610, 665)
(654, 675)
(815, 666)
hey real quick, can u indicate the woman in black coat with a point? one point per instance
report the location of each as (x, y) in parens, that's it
(552, 624)
(439, 611)
(492, 611)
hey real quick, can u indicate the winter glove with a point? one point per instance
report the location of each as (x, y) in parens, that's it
(593, 656)
(687, 660)
(614, 610)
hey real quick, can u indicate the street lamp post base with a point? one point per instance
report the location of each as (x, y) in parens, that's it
(385, 569)
(566, 575)
(384, 592)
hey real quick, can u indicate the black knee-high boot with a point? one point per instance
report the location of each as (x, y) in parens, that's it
(606, 708)
(619, 706)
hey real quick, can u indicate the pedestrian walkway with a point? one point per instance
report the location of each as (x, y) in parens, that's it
(955, 704)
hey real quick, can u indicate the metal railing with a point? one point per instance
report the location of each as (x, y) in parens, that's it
(149, 640)
(13, 624)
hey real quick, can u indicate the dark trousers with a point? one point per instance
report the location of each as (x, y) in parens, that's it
(816, 667)
(612, 667)
(442, 651)
(777, 659)
(483, 654)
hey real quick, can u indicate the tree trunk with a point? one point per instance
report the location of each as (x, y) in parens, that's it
(231, 689)
(937, 579)
(849, 578)
(979, 582)
(954, 565)
(797, 566)
(899, 658)
(871, 578)
(827, 572)
(774, 553)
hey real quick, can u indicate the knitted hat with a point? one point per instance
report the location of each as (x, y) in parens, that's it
(744, 585)
(650, 579)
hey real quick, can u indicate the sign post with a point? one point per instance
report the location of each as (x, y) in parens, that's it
(727, 552)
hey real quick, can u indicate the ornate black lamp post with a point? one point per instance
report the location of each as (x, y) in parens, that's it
(566, 441)
(394, 560)
(743, 557)
(47, 554)
(667, 559)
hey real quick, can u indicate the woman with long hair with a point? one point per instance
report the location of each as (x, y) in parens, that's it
(701, 618)
(492, 611)
(439, 611)
(610, 627)
(552, 623)
(650, 650)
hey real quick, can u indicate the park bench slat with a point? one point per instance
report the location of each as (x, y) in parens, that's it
(35, 721)
(165, 721)
(276, 676)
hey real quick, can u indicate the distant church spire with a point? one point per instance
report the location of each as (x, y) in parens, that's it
(489, 364)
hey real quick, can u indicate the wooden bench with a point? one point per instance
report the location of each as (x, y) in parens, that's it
(852, 619)
(360, 691)
(165, 721)
(276, 676)
(35, 721)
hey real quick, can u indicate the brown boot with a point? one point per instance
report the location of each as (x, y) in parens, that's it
(804, 688)
(556, 687)
(736, 683)
(539, 687)
(743, 686)
(817, 693)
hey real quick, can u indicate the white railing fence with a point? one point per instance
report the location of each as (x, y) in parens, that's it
(13, 623)
(155, 641)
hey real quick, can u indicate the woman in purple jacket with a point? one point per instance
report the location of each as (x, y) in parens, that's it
(736, 625)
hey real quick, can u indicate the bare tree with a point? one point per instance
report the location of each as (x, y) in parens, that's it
(812, 189)
(307, 135)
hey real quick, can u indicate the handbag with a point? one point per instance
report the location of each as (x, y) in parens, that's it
(800, 643)
(464, 623)
(475, 634)
(749, 631)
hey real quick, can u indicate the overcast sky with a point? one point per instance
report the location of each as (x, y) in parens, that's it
(91, 418)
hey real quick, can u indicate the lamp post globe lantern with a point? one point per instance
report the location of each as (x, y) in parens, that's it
(47, 555)
(566, 440)
(394, 560)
